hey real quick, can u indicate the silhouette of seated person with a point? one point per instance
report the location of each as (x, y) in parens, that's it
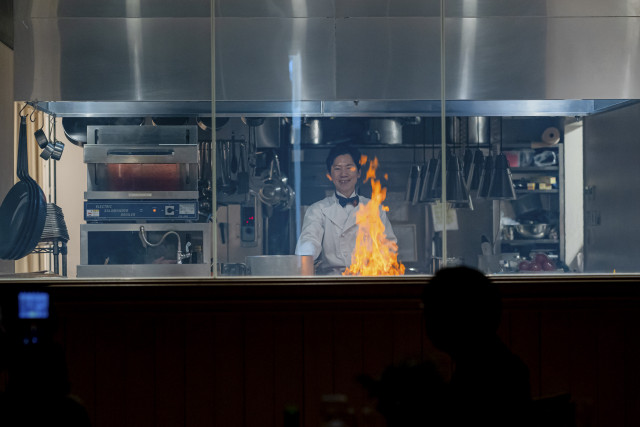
(37, 388)
(409, 394)
(489, 384)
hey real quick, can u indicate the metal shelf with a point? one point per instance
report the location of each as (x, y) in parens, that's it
(555, 191)
(527, 242)
(535, 169)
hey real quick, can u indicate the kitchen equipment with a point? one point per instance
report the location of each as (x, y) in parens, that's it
(170, 121)
(225, 183)
(527, 206)
(478, 130)
(243, 171)
(141, 162)
(437, 263)
(280, 265)
(275, 191)
(141, 203)
(75, 128)
(415, 172)
(532, 230)
(310, 131)
(508, 232)
(232, 269)
(204, 123)
(117, 250)
(23, 211)
(385, 131)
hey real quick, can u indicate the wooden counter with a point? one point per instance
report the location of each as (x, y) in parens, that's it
(237, 351)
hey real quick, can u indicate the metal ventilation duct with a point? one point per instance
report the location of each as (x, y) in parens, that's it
(340, 58)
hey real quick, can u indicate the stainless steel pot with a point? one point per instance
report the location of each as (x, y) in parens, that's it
(280, 265)
(385, 131)
(478, 130)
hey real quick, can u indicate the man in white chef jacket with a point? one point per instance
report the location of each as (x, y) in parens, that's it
(329, 228)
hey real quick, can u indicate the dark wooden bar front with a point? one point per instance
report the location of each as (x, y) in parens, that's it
(237, 352)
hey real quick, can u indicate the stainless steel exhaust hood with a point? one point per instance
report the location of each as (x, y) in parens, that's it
(339, 58)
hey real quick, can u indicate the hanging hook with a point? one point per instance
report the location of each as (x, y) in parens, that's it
(22, 109)
(31, 118)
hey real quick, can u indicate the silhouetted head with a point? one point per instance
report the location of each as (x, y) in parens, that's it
(461, 307)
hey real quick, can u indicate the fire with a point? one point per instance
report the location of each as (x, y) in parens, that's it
(374, 255)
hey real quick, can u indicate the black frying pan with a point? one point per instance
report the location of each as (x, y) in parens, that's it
(75, 128)
(23, 211)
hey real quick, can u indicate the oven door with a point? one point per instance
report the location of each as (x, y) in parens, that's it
(147, 172)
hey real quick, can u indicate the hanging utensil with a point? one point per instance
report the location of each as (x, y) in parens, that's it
(271, 192)
(234, 158)
(243, 174)
(414, 174)
(226, 185)
(23, 211)
(423, 173)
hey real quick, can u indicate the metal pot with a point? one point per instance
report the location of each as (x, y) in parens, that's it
(478, 130)
(280, 265)
(385, 131)
(527, 207)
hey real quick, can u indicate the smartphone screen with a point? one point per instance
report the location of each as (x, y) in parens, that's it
(33, 305)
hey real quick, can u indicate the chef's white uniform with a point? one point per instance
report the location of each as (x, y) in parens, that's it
(329, 231)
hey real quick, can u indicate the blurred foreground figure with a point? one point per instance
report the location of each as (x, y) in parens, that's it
(489, 385)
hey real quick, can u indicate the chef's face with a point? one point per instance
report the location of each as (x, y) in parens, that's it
(345, 174)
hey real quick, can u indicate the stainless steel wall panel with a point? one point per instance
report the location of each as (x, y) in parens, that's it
(496, 58)
(113, 8)
(542, 8)
(381, 8)
(275, 59)
(538, 58)
(388, 58)
(275, 8)
(487, 8)
(103, 59)
(593, 58)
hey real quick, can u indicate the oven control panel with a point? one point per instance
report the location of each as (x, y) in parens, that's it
(140, 210)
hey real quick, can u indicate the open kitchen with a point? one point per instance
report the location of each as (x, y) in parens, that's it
(493, 160)
(165, 166)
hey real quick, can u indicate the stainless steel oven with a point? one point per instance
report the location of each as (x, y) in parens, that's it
(141, 162)
(141, 204)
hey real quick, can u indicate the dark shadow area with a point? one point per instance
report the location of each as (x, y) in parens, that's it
(37, 388)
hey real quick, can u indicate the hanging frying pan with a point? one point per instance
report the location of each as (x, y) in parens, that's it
(75, 128)
(23, 211)
(37, 201)
(170, 121)
(205, 122)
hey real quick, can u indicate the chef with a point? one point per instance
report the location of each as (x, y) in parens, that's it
(329, 228)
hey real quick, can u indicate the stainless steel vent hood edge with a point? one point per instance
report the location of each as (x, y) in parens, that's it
(356, 108)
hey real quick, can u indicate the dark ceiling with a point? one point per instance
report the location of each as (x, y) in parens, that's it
(6, 22)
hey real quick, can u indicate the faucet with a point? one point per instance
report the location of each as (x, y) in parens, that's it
(179, 256)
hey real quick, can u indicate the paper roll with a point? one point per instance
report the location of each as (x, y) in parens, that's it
(550, 136)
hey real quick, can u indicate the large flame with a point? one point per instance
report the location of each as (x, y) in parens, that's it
(374, 255)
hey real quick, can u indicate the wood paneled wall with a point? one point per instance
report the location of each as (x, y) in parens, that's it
(145, 356)
(232, 369)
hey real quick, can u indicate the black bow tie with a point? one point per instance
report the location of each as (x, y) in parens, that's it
(351, 200)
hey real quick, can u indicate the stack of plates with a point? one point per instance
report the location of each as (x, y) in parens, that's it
(54, 226)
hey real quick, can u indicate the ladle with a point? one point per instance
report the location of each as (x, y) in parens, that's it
(272, 191)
